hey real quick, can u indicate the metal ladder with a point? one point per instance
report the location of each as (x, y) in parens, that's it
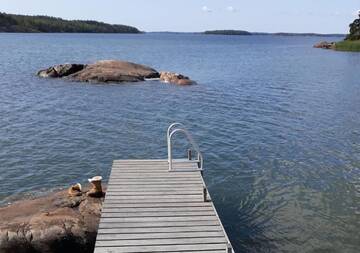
(180, 128)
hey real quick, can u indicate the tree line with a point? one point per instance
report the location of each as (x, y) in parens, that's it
(46, 24)
(227, 32)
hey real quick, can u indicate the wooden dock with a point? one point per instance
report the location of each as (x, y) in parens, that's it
(148, 208)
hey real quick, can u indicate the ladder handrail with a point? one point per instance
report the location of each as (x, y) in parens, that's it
(181, 128)
(173, 125)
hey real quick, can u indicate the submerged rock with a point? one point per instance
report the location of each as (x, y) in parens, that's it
(102, 72)
(175, 78)
(56, 223)
(325, 45)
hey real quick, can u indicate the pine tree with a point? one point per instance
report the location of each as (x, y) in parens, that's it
(354, 30)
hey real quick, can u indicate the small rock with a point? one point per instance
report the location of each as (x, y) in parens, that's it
(175, 78)
(75, 190)
(325, 45)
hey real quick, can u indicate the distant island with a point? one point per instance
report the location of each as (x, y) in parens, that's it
(227, 32)
(242, 32)
(350, 43)
(300, 34)
(44, 24)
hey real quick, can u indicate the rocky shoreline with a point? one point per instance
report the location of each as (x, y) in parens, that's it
(112, 71)
(58, 222)
(325, 45)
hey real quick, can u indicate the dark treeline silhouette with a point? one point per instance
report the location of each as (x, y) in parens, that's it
(228, 32)
(241, 32)
(45, 24)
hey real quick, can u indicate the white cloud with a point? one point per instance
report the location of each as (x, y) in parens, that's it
(206, 9)
(231, 9)
(356, 13)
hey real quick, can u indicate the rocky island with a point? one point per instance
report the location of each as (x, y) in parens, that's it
(227, 32)
(112, 71)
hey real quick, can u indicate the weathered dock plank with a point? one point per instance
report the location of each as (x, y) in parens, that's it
(149, 209)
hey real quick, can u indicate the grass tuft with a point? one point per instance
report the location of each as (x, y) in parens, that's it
(348, 45)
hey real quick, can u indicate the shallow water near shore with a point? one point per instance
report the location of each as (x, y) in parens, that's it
(277, 120)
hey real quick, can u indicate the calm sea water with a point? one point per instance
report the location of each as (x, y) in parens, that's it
(278, 123)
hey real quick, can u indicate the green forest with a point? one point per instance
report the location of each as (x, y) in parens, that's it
(45, 24)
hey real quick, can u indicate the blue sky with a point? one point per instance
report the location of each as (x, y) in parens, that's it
(323, 16)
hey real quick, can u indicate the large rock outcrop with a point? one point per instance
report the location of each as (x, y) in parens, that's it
(112, 71)
(102, 71)
(56, 223)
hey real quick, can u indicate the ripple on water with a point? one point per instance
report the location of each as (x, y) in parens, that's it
(278, 127)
